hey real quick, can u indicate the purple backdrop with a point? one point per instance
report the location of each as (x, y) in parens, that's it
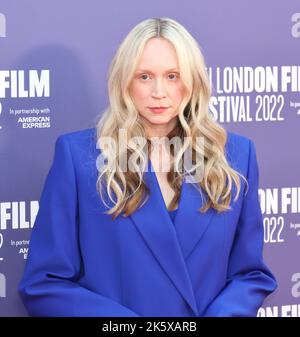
(54, 58)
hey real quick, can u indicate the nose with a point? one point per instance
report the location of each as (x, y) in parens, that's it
(158, 90)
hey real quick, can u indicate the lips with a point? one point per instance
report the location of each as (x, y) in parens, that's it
(158, 109)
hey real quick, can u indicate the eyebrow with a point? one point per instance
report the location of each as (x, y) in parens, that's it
(149, 71)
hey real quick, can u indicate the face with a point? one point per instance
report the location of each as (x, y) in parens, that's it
(157, 83)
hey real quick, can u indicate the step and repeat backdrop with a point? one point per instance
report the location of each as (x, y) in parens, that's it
(54, 58)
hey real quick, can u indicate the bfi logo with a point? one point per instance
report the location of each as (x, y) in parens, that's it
(2, 25)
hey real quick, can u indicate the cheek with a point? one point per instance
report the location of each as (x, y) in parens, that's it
(178, 93)
(139, 93)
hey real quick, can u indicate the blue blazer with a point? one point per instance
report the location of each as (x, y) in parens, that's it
(83, 263)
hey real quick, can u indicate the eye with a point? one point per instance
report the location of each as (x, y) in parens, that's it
(144, 77)
(173, 76)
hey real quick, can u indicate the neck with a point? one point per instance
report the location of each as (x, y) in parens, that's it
(159, 130)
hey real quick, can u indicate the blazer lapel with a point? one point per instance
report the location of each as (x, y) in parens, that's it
(154, 224)
(190, 224)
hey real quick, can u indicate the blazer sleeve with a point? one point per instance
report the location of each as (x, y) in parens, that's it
(249, 280)
(49, 284)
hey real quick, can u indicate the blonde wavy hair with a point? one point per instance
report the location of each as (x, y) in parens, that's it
(127, 190)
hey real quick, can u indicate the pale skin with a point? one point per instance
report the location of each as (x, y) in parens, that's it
(156, 83)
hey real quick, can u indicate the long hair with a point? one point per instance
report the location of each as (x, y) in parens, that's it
(126, 189)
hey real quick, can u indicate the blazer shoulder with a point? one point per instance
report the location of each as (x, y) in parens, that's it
(79, 136)
(238, 150)
(82, 143)
(237, 140)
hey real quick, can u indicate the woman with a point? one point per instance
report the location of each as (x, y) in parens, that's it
(112, 239)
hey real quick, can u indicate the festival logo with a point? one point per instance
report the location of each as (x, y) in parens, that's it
(16, 84)
(254, 94)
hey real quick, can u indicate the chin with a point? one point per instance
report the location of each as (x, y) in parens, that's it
(159, 119)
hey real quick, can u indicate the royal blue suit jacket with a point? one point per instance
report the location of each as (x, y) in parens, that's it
(83, 263)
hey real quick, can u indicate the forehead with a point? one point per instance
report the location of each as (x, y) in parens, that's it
(158, 54)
